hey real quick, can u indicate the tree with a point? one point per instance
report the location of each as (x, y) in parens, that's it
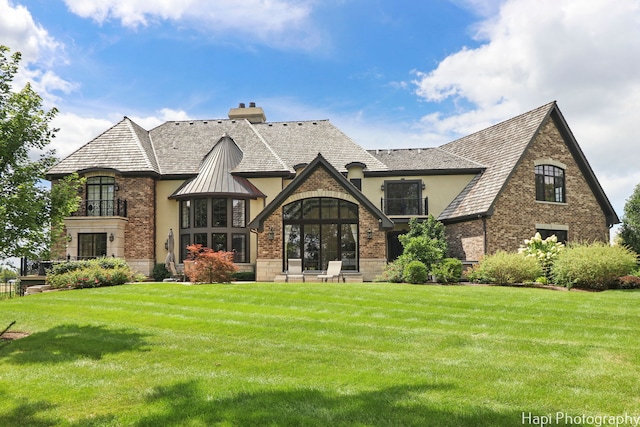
(630, 229)
(29, 211)
(425, 241)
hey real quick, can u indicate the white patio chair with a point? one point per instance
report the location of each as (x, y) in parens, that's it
(294, 269)
(334, 269)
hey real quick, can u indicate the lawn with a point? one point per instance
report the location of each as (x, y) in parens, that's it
(319, 354)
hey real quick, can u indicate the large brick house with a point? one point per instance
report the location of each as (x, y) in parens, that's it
(271, 191)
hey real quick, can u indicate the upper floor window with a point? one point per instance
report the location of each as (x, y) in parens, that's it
(100, 196)
(550, 184)
(403, 197)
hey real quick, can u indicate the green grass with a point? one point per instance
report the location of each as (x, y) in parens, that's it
(318, 354)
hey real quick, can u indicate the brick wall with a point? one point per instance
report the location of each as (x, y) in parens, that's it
(140, 236)
(320, 184)
(466, 240)
(517, 212)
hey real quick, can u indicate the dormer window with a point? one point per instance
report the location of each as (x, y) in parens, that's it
(550, 184)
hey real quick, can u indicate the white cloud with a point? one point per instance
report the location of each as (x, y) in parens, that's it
(278, 22)
(582, 54)
(39, 51)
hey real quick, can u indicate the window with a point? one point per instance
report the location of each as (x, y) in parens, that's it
(100, 196)
(550, 184)
(403, 198)
(319, 230)
(185, 214)
(92, 245)
(200, 213)
(218, 223)
(357, 182)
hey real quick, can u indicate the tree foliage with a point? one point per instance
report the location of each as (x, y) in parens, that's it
(630, 229)
(28, 210)
(425, 241)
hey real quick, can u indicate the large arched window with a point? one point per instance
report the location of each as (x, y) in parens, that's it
(319, 230)
(550, 185)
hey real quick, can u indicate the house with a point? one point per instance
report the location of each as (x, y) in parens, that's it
(271, 191)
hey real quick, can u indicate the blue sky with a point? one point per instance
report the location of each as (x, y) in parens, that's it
(389, 73)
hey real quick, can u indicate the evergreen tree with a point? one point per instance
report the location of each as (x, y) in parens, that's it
(630, 230)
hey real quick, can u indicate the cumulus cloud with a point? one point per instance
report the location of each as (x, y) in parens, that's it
(39, 51)
(277, 22)
(582, 54)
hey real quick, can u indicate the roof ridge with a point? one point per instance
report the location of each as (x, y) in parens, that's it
(264, 141)
(460, 157)
(132, 125)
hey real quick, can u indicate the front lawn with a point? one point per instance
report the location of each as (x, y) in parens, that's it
(318, 354)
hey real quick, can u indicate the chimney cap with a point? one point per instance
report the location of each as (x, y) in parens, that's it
(241, 105)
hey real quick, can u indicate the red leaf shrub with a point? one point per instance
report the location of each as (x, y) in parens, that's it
(210, 266)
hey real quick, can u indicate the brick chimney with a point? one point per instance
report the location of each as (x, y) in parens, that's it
(253, 114)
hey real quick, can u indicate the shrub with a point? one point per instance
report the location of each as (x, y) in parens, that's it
(90, 274)
(544, 251)
(505, 268)
(629, 282)
(449, 270)
(594, 266)
(160, 272)
(244, 276)
(210, 266)
(415, 272)
(393, 272)
(425, 241)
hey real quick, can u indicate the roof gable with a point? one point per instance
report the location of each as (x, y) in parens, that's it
(319, 162)
(501, 148)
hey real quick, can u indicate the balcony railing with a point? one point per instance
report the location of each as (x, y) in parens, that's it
(115, 207)
(405, 207)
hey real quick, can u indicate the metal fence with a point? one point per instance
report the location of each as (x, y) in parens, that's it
(11, 289)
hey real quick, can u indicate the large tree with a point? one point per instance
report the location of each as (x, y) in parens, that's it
(630, 230)
(29, 211)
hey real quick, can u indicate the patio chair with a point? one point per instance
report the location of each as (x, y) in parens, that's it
(334, 269)
(294, 270)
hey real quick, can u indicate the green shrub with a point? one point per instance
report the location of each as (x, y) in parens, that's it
(505, 268)
(415, 272)
(90, 274)
(244, 276)
(544, 251)
(425, 241)
(449, 270)
(595, 266)
(393, 272)
(160, 272)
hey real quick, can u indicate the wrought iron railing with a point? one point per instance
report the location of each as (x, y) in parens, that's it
(115, 207)
(405, 206)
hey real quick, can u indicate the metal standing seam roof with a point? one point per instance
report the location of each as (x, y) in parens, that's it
(214, 176)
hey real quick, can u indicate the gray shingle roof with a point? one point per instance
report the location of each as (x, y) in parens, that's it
(421, 159)
(125, 147)
(300, 142)
(499, 147)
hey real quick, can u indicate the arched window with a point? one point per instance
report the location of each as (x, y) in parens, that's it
(550, 184)
(319, 230)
